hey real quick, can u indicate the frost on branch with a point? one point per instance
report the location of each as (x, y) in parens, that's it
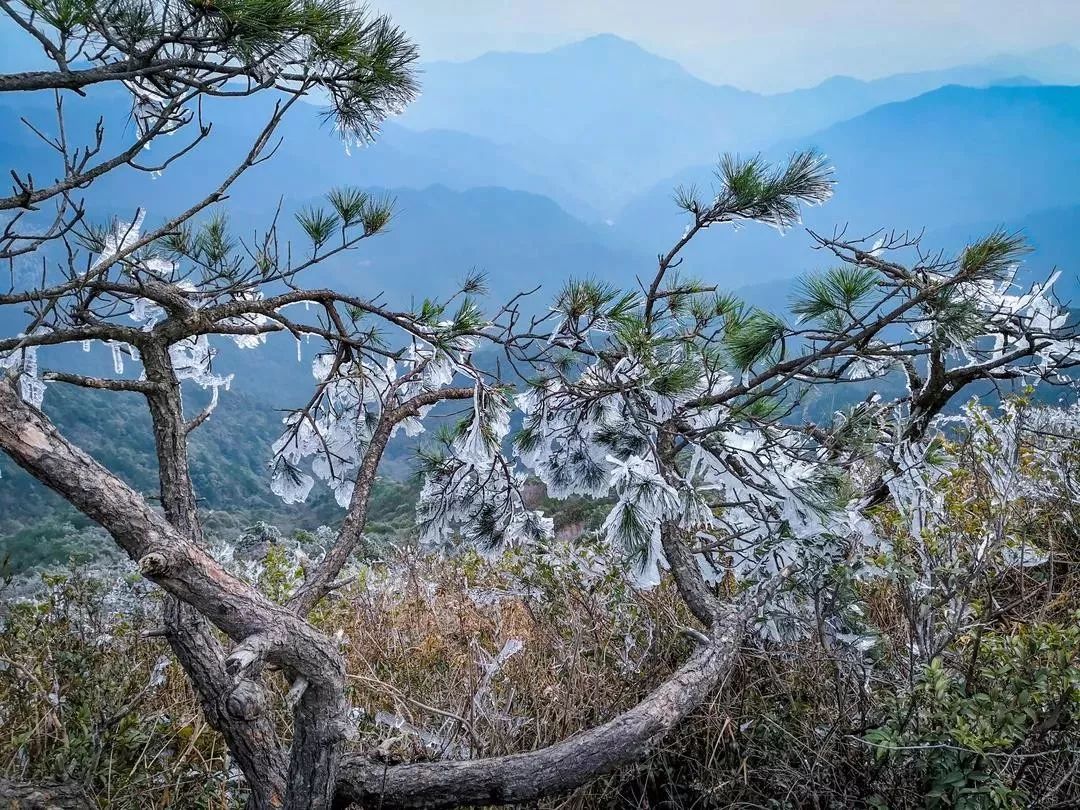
(336, 438)
(645, 502)
(139, 284)
(472, 489)
(193, 360)
(352, 396)
(24, 364)
(767, 489)
(681, 406)
(121, 238)
(1010, 459)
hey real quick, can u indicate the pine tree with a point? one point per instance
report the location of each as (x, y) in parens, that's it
(675, 401)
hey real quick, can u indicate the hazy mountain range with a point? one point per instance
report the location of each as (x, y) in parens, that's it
(953, 161)
(603, 116)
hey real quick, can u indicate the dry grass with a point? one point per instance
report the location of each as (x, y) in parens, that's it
(423, 638)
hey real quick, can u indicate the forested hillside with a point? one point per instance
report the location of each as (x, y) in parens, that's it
(230, 468)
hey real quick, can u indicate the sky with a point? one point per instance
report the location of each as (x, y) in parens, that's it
(764, 45)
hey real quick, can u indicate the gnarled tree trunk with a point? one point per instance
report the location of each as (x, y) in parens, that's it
(318, 773)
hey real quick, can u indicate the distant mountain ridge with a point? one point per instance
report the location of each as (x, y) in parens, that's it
(938, 162)
(1056, 64)
(950, 156)
(607, 118)
(602, 115)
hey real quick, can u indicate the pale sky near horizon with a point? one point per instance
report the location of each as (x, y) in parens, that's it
(767, 45)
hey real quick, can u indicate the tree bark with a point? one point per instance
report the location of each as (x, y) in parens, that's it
(235, 708)
(185, 571)
(692, 587)
(689, 580)
(559, 768)
(43, 796)
(318, 775)
(320, 731)
(237, 711)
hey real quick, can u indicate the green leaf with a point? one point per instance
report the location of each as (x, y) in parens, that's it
(994, 255)
(213, 242)
(349, 204)
(677, 378)
(752, 189)
(752, 337)
(377, 214)
(838, 291)
(318, 223)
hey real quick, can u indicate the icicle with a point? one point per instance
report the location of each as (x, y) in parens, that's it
(123, 237)
(160, 267)
(213, 399)
(321, 365)
(493, 664)
(30, 361)
(157, 674)
(289, 484)
(117, 357)
(192, 358)
(446, 747)
(31, 386)
(33, 390)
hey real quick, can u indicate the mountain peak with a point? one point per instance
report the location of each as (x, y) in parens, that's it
(612, 53)
(609, 43)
